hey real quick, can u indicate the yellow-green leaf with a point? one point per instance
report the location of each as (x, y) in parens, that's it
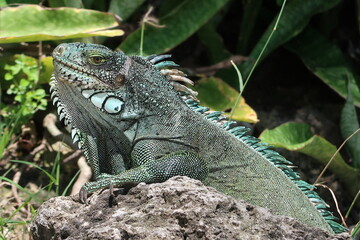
(28, 23)
(219, 96)
(47, 68)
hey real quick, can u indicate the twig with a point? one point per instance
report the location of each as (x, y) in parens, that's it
(39, 62)
(335, 201)
(37, 149)
(333, 156)
(4, 184)
(14, 192)
(49, 123)
(84, 177)
(210, 70)
(72, 156)
(152, 21)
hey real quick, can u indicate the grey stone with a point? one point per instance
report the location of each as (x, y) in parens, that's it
(180, 208)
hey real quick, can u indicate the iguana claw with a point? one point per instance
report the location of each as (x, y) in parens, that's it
(83, 194)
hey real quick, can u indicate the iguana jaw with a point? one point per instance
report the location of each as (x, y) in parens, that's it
(73, 75)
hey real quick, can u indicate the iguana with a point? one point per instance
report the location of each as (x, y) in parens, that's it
(135, 123)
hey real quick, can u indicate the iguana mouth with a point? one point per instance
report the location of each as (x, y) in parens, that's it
(73, 74)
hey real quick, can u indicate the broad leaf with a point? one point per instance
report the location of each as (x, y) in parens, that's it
(213, 42)
(124, 8)
(326, 61)
(219, 96)
(349, 123)
(179, 24)
(298, 137)
(33, 23)
(295, 17)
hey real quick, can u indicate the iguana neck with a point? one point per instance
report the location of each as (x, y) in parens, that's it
(154, 97)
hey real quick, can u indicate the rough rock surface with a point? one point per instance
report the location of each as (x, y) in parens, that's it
(180, 208)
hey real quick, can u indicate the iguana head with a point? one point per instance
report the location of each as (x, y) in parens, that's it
(95, 83)
(89, 66)
(94, 70)
(88, 83)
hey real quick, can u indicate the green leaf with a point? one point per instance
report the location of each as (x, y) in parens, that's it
(213, 42)
(326, 61)
(124, 8)
(34, 23)
(2, 3)
(39, 94)
(298, 137)
(56, 3)
(251, 12)
(180, 23)
(355, 232)
(349, 123)
(219, 96)
(74, 3)
(8, 76)
(24, 82)
(295, 17)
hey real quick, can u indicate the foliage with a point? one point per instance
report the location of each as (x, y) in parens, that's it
(10, 219)
(182, 21)
(298, 137)
(24, 97)
(223, 98)
(28, 97)
(326, 60)
(35, 23)
(349, 124)
(355, 233)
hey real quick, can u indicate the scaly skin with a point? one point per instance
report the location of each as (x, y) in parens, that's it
(133, 126)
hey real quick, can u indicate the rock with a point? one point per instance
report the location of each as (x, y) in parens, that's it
(180, 208)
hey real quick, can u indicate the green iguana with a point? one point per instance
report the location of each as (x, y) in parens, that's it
(135, 123)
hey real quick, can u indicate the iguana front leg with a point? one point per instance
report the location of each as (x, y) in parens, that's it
(96, 150)
(155, 170)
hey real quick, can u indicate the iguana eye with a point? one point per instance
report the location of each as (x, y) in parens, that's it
(97, 59)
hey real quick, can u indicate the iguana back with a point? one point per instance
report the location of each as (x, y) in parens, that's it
(242, 167)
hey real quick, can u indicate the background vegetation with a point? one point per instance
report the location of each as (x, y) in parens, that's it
(306, 84)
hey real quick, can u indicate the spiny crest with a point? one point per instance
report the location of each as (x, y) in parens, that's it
(173, 75)
(240, 132)
(60, 107)
(63, 115)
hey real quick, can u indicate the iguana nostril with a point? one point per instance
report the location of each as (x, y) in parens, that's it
(59, 50)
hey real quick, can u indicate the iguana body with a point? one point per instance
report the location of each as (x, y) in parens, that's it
(133, 127)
